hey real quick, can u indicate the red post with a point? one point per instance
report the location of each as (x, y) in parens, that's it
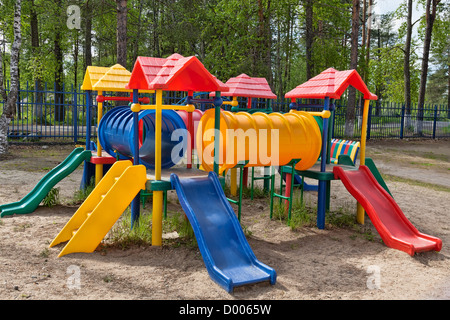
(245, 177)
(245, 172)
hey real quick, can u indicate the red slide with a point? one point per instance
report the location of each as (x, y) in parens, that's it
(394, 228)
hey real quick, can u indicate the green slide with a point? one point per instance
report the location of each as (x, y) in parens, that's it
(31, 201)
(373, 168)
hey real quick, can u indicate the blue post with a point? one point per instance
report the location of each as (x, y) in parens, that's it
(88, 169)
(74, 115)
(434, 122)
(322, 200)
(88, 120)
(402, 123)
(135, 209)
(217, 104)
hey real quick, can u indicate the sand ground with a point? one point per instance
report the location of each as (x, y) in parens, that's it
(330, 264)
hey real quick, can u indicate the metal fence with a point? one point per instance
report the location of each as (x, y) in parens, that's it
(59, 116)
(394, 120)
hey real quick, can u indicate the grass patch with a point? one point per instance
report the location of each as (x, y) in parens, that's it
(258, 193)
(305, 215)
(81, 194)
(178, 222)
(52, 198)
(425, 164)
(22, 227)
(122, 236)
(302, 215)
(425, 154)
(416, 183)
(342, 218)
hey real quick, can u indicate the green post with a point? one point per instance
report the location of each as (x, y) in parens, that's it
(252, 183)
(241, 188)
(272, 186)
(292, 191)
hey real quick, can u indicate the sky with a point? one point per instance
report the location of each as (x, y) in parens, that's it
(385, 6)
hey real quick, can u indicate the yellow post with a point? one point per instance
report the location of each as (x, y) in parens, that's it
(99, 167)
(362, 155)
(233, 181)
(157, 195)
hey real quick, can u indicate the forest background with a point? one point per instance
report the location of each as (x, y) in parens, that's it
(401, 59)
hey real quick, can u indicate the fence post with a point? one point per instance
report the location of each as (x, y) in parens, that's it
(74, 115)
(88, 120)
(402, 122)
(434, 121)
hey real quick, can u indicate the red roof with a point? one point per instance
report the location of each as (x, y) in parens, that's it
(245, 86)
(175, 73)
(331, 83)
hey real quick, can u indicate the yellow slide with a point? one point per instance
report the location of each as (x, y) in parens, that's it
(106, 203)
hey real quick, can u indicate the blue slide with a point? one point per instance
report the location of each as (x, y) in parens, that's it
(306, 187)
(227, 255)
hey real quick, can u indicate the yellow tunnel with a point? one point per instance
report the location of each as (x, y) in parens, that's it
(262, 139)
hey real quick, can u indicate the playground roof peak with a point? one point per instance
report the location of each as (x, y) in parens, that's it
(175, 73)
(113, 79)
(92, 75)
(250, 87)
(331, 83)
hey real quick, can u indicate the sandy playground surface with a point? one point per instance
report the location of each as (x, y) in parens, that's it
(335, 263)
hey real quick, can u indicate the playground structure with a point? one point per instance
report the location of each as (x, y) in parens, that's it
(136, 141)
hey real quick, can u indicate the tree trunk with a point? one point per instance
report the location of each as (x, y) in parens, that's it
(122, 32)
(35, 46)
(406, 66)
(138, 33)
(448, 92)
(9, 107)
(368, 36)
(88, 35)
(75, 59)
(288, 48)
(309, 38)
(59, 76)
(279, 74)
(351, 104)
(430, 16)
(268, 44)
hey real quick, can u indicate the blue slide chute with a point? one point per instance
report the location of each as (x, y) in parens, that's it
(227, 255)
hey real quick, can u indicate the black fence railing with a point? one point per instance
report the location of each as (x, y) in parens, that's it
(50, 115)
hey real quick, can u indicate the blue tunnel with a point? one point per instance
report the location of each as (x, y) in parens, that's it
(116, 136)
